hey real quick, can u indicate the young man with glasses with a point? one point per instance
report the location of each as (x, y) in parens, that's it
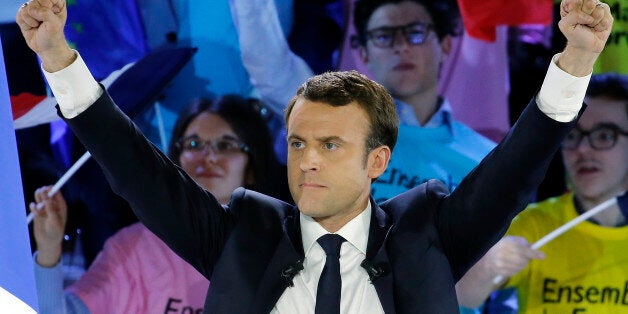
(404, 45)
(585, 270)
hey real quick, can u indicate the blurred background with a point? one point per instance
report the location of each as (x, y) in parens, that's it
(502, 71)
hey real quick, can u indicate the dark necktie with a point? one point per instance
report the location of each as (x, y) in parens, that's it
(329, 284)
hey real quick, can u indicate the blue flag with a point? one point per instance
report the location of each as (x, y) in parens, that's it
(109, 34)
(17, 279)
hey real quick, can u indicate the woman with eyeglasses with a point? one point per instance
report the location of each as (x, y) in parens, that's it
(222, 145)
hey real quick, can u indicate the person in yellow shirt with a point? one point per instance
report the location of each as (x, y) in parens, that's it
(585, 270)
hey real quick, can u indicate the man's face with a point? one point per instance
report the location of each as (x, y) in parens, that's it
(328, 174)
(597, 175)
(405, 70)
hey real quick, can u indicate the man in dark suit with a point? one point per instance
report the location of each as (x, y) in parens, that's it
(263, 255)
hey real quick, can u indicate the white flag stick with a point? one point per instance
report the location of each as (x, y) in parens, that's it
(55, 188)
(564, 228)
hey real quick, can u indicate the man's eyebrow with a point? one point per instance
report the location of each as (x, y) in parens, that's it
(606, 124)
(323, 139)
(333, 138)
(294, 137)
(602, 125)
(389, 27)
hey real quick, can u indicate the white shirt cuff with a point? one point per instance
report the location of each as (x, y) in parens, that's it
(74, 87)
(562, 94)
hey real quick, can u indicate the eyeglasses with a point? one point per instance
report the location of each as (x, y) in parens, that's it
(384, 37)
(225, 145)
(602, 137)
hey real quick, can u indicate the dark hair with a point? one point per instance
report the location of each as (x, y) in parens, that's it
(611, 85)
(342, 88)
(444, 13)
(243, 116)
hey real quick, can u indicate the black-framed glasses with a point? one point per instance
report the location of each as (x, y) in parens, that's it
(224, 145)
(601, 137)
(415, 33)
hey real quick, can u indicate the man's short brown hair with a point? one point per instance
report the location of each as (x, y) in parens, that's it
(343, 87)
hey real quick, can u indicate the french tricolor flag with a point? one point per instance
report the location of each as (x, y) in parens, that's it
(30, 110)
(480, 17)
(17, 279)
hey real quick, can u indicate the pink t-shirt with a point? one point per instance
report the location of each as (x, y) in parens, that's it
(137, 273)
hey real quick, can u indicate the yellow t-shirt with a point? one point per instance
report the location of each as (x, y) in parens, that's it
(585, 269)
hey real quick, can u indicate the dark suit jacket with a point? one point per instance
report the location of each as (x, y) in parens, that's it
(420, 243)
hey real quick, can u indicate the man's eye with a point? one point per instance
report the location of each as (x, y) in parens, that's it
(573, 135)
(383, 38)
(415, 37)
(297, 145)
(604, 135)
(330, 146)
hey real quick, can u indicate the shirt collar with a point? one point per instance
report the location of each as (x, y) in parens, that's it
(441, 117)
(356, 231)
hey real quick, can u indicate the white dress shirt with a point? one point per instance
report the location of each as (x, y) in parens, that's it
(357, 294)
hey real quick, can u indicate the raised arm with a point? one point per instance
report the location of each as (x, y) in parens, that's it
(586, 24)
(41, 23)
(167, 201)
(275, 71)
(502, 185)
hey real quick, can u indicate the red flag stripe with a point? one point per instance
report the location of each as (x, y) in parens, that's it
(481, 16)
(23, 103)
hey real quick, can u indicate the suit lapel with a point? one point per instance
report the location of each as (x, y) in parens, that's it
(284, 265)
(289, 255)
(376, 263)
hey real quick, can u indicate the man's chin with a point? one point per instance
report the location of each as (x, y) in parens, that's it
(310, 212)
(310, 209)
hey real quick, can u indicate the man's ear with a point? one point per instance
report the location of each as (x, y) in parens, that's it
(378, 160)
(445, 45)
(363, 54)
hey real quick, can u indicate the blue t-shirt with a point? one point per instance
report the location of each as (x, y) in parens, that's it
(445, 149)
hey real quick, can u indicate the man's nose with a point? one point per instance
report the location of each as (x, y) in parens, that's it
(310, 161)
(584, 145)
(399, 40)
